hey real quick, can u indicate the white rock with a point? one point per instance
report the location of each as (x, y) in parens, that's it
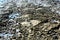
(13, 39)
(17, 23)
(46, 24)
(34, 22)
(58, 12)
(17, 30)
(13, 28)
(18, 34)
(26, 15)
(29, 31)
(46, 5)
(38, 8)
(27, 9)
(25, 23)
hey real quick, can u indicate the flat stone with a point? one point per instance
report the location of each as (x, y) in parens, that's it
(25, 23)
(34, 22)
(38, 9)
(26, 15)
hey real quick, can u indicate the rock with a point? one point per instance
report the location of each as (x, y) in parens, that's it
(30, 21)
(34, 22)
(28, 10)
(55, 21)
(17, 30)
(25, 16)
(25, 9)
(13, 39)
(48, 26)
(18, 34)
(38, 9)
(25, 23)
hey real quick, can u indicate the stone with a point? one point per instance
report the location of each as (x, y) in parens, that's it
(29, 10)
(34, 22)
(17, 30)
(38, 9)
(25, 23)
(24, 16)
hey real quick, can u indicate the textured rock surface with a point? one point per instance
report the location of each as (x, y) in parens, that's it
(31, 21)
